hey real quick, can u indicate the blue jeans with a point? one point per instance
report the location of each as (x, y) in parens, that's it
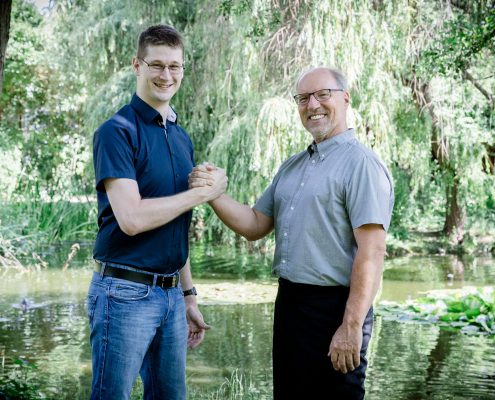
(136, 328)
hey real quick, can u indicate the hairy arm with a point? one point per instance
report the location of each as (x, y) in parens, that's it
(366, 275)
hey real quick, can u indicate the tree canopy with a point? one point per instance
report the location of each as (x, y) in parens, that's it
(421, 81)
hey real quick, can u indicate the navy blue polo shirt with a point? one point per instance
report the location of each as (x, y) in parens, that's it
(135, 144)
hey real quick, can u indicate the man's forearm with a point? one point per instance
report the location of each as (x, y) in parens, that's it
(136, 215)
(185, 276)
(241, 218)
(365, 282)
(148, 214)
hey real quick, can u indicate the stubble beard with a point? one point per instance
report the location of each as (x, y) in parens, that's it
(322, 135)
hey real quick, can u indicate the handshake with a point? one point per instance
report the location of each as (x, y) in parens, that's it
(208, 180)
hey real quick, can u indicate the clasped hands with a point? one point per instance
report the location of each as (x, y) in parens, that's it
(209, 179)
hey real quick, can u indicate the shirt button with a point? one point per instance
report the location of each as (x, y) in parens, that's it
(177, 175)
(302, 183)
(292, 208)
(323, 156)
(283, 261)
(313, 161)
(285, 233)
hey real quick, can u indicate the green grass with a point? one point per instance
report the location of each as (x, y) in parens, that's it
(237, 387)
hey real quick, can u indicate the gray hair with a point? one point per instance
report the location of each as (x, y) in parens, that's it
(336, 73)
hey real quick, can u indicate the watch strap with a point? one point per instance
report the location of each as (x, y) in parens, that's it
(190, 292)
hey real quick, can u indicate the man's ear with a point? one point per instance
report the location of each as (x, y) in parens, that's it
(347, 97)
(136, 66)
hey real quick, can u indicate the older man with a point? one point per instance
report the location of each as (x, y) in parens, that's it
(330, 206)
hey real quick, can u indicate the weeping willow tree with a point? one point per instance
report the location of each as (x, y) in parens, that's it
(243, 75)
(453, 42)
(242, 59)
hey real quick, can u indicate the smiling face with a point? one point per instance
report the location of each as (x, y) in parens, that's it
(327, 118)
(158, 88)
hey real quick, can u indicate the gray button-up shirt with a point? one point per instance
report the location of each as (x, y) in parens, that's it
(316, 199)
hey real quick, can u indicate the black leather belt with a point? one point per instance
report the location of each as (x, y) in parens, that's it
(139, 277)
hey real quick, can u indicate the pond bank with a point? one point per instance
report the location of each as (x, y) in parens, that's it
(436, 243)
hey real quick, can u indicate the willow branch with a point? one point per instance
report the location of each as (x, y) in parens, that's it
(477, 85)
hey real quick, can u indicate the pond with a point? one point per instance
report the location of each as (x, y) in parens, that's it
(44, 342)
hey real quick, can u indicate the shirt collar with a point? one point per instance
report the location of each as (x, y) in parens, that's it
(343, 137)
(148, 113)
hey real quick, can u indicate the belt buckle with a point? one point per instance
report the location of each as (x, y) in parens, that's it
(174, 282)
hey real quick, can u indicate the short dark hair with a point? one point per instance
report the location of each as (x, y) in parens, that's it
(159, 35)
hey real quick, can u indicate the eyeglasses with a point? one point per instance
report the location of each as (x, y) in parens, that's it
(157, 68)
(319, 95)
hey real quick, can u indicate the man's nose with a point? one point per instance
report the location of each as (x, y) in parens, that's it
(165, 74)
(312, 102)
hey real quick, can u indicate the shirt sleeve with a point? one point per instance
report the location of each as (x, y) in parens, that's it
(265, 202)
(113, 155)
(369, 194)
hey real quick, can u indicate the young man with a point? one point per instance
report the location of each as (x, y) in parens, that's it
(141, 299)
(330, 206)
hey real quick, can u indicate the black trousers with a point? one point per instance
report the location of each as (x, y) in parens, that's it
(306, 317)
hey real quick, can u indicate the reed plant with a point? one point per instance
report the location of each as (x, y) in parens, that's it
(29, 221)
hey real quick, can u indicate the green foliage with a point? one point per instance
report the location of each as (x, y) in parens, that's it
(68, 72)
(21, 383)
(467, 35)
(37, 118)
(471, 311)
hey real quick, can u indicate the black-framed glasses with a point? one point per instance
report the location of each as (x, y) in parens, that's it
(320, 95)
(158, 68)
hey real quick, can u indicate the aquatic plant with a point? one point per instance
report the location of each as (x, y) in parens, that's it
(471, 310)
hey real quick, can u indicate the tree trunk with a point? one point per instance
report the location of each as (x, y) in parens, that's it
(489, 159)
(5, 8)
(455, 218)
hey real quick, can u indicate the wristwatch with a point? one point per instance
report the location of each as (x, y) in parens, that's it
(189, 292)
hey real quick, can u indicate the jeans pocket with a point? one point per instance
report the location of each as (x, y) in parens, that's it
(91, 306)
(127, 290)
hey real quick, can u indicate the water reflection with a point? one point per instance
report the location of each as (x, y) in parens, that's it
(412, 361)
(240, 338)
(441, 269)
(407, 361)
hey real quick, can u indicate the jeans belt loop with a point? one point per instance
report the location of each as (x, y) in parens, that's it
(103, 265)
(155, 277)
